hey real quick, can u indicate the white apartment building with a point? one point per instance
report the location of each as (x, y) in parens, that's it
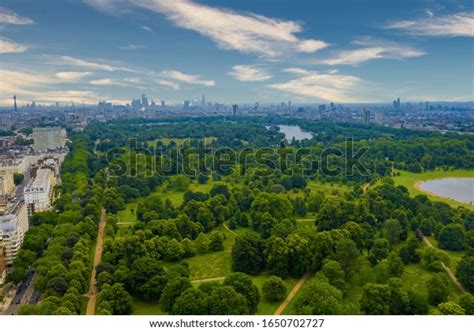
(49, 138)
(39, 192)
(13, 227)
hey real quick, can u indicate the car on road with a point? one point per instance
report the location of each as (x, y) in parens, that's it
(17, 302)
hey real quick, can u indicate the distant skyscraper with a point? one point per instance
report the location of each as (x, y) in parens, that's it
(366, 116)
(144, 101)
(257, 105)
(203, 100)
(186, 104)
(289, 105)
(234, 109)
(14, 104)
(162, 103)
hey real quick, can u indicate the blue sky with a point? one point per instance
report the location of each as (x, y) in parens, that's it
(236, 51)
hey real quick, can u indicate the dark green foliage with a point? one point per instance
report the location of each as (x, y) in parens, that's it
(379, 251)
(224, 300)
(465, 272)
(120, 300)
(191, 302)
(467, 303)
(438, 288)
(173, 289)
(318, 297)
(347, 254)
(247, 254)
(452, 237)
(242, 284)
(375, 299)
(274, 289)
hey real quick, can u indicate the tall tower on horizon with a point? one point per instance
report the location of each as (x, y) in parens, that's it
(203, 100)
(14, 104)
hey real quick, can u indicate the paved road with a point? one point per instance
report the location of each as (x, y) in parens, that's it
(445, 267)
(92, 294)
(25, 290)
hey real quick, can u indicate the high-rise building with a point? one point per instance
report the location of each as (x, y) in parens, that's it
(379, 118)
(186, 104)
(257, 105)
(203, 101)
(49, 138)
(15, 108)
(7, 186)
(144, 101)
(366, 116)
(235, 108)
(5, 122)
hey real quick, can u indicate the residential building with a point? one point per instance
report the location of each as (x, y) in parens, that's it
(7, 186)
(49, 138)
(13, 226)
(3, 264)
(39, 192)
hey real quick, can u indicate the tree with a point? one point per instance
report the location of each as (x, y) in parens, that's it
(201, 244)
(153, 288)
(431, 258)
(299, 255)
(467, 303)
(394, 265)
(179, 183)
(452, 237)
(120, 300)
(57, 286)
(242, 284)
(274, 289)
(18, 178)
(392, 231)
(173, 289)
(224, 300)
(438, 288)
(418, 303)
(334, 273)
(318, 297)
(379, 250)
(465, 272)
(375, 299)
(216, 241)
(277, 256)
(399, 300)
(408, 252)
(247, 254)
(450, 308)
(174, 251)
(191, 302)
(346, 255)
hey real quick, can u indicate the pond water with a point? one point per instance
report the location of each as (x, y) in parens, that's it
(459, 189)
(294, 131)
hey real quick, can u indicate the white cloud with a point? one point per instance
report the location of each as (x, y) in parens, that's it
(72, 75)
(73, 61)
(125, 82)
(190, 79)
(8, 46)
(373, 50)
(242, 31)
(168, 83)
(10, 17)
(131, 47)
(146, 28)
(454, 25)
(315, 86)
(249, 73)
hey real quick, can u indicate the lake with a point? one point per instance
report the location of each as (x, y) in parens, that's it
(294, 131)
(459, 189)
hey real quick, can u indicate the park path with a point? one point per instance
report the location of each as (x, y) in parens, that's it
(445, 267)
(228, 229)
(293, 291)
(205, 280)
(92, 294)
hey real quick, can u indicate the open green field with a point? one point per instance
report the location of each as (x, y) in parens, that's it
(409, 180)
(142, 307)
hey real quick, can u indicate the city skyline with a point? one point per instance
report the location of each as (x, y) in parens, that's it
(243, 52)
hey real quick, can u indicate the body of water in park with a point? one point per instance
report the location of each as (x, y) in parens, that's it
(294, 131)
(459, 189)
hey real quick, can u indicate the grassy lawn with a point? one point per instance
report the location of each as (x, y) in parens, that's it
(141, 307)
(454, 257)
(409, 179)
(129, 214)
(177, 141)
(266, 307)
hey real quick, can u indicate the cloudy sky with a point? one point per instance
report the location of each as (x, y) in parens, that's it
(236, 51)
